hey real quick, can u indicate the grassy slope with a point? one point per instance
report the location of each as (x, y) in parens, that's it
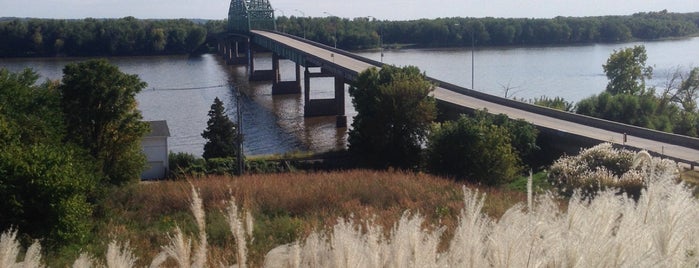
(286, 207)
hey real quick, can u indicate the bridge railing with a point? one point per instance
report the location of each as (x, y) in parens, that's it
(620, 128)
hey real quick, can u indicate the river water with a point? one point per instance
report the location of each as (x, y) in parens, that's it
(181, 89)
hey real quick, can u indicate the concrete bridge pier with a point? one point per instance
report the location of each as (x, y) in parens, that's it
(325, 107)
(284, 87)
(259, 75)
(234, 51)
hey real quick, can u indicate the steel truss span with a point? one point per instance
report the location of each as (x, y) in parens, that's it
(246, 15)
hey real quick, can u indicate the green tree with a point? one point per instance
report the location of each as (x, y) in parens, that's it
(394, 113)
(44, 183)
(101, 115)
(627, 71)
(474, 150)
(221, 134)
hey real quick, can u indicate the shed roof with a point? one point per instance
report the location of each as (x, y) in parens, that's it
(158, 129)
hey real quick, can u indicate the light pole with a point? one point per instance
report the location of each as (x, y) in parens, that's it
(380, 37)
(283, 15)
(473, 53)
(335, 28)
(239, 113)
(303, 16)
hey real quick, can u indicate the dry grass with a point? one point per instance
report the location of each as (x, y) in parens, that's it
(286, 208)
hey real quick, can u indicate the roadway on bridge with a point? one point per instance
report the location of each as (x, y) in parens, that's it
(671, 150)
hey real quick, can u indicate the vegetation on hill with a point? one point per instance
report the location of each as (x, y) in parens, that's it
(130, 36)
(101, 37)
(361, 33)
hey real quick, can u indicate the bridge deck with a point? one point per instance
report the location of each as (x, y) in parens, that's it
(677, 152)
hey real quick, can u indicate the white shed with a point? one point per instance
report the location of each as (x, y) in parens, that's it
(155, 148)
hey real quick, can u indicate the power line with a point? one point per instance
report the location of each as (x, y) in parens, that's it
(189, 88)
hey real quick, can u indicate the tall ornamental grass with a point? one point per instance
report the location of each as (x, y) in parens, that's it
(656, 229)
(604, 167)
(611, 230)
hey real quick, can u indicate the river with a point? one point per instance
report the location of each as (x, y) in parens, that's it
(181, 89)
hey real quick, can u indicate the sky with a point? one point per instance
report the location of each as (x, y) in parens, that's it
(380, 9)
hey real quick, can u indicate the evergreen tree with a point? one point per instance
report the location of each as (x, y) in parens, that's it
(221, 134)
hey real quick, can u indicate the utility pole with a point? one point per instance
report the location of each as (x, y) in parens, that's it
(303, 16)
(335, 32)
(473, 53)
(239, 113)
(380, 36)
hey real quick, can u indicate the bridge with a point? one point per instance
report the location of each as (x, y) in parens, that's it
(252, 29)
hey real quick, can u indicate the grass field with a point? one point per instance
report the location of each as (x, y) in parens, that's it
(285, 207)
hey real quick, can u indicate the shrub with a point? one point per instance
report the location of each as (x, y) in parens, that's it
(604, 167)
(183, 164)
(472, 150)
(45, 190)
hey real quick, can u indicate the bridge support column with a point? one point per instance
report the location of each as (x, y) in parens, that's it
(259, 75)
(231, 49)
(325, 107)
(285, 87)
(340, 101)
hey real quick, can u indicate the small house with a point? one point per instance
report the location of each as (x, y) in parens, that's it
(155, 148)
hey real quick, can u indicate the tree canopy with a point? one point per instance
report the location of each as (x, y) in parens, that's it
(100, 110)
(45, 183)
(628, 100)
(627, 71)
(394, 114)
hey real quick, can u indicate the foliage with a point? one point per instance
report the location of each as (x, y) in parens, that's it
(473, 149)
(45, 190)
(557, 103)
(627, 100)
(221, 134)
(362, 33)
(99, 37)
(643, 110)
(185, 164)
(394, 113)
(627, 71)
(602, 232)
(130, 36)
(101, 116)
(45, 183)
(604, 167)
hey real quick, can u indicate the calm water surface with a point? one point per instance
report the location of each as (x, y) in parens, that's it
(181, 89)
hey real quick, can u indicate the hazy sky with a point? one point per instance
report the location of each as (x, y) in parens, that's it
(381, 9)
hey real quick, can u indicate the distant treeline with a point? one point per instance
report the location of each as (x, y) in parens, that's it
(361, 33)
(99, 37)
(130, 36)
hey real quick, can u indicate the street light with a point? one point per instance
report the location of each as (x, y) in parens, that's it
(303, 15)
(283, 15)
(335, 28)
(473, 49)
(380, 37)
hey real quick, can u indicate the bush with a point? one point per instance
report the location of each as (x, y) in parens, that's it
(182, 164)
(45, 190)
(394, 113)
(603, 167)
(472, 150)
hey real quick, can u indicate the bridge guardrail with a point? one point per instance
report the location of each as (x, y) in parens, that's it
(558, 114)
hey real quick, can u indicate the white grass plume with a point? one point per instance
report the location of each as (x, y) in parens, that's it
(85, 261)
(241, 225)
(120, 256)
(180, 247)
(10, 248)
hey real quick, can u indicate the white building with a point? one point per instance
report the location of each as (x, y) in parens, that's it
(155, 148)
